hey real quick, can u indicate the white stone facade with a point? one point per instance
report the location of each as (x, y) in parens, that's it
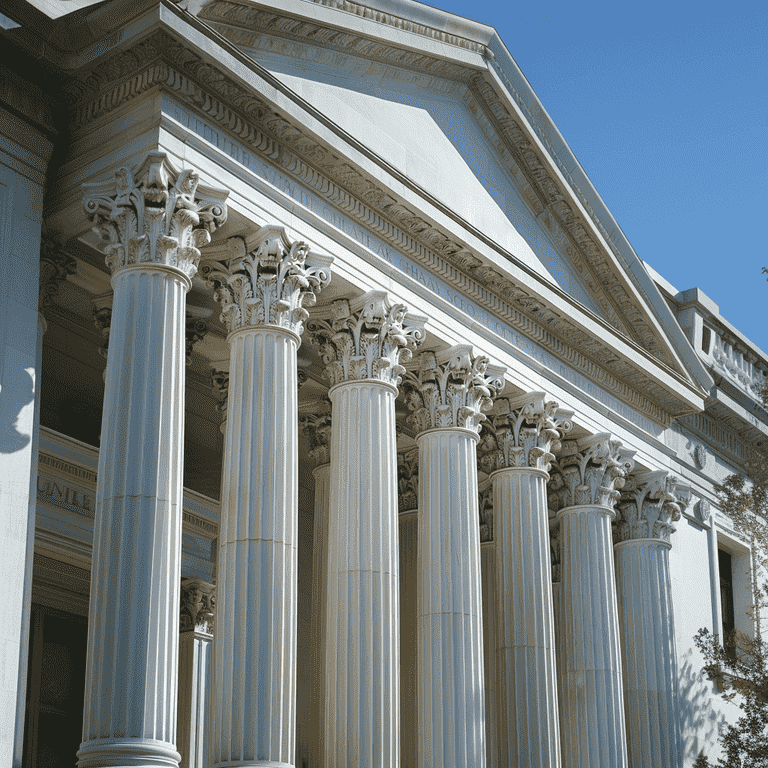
(341, 427)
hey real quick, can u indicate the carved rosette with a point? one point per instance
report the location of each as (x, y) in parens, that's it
(198, 606)
(523, 432)
(366, 338)
(650, 505)
(590, 472)
(451, 389)
(267, 281)
(154, 215)
(485, 505)
(55, 265)
(317, 429)
(220, 387)
(408, 481)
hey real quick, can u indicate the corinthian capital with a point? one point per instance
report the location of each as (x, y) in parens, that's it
(451, 389)
(55, 265)
(316, 427)
(366, 338)
(154, 214)
(589, 472)
(650, 505)
(198, 606)
(267, 280)
(522, 432)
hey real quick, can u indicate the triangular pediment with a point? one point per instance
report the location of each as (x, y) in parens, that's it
(429, 96)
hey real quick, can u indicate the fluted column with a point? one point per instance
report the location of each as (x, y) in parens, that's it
(317, 428)
(583, 491)
(152, 222)
(408, 507)
(515, 451)
(198, 605)
(650, 505)
(490, 622)
(262, 288)
(363, 342)
(446, 394)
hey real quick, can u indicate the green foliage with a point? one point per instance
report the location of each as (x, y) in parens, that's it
(739, 664)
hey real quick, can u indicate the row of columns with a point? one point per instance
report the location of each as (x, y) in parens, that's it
(153, 223)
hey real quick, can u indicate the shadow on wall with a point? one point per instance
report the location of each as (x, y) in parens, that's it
(18, 390)
(701, 723)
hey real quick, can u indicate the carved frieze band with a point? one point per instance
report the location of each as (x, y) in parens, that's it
(255, 123)
(154, 214)
(366, 338)
(198, 606)
(451, 389)
(268, 280)
(651, 503)
(589, 471)
(523, 431)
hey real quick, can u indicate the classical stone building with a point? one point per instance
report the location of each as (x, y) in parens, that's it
(340, 425)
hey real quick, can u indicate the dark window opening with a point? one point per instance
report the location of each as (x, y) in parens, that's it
(725, 563)
(706, 338)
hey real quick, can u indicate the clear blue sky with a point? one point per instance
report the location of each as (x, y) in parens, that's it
(665, 105)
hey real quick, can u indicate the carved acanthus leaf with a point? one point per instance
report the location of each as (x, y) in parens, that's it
(316, 427)
(650, 505)
(55, 265)
(196, 330)
(198, 606)
(451, 388)
(408, 481)
(154, 215)
(220, 387)
(523, 432)
(268, 280)
(589, 471)
(366, 338)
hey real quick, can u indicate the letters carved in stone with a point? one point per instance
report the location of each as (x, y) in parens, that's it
(198, 606)
(268, 280)
(650, 505)
(154, 215)
(589, 471)
(523, 432)
(450, 389)
(366, 338)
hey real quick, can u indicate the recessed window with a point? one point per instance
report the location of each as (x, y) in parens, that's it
(725, 565)
(706, 339)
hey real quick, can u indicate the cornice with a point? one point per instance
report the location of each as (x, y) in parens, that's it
(163, 62)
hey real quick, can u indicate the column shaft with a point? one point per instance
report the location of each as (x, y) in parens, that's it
(255, 641)
(319, 605)
(450, 632)
(490, 625)
(362, 659)
(648, 653)
(195, 653)
(131, 668)
(409, 711)
(528, 710)
(591, 688)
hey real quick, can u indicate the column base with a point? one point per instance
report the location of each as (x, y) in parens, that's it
(253, 764)
(127, 753)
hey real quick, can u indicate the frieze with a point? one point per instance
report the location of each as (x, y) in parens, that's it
(277, 140)
(67, 468)
(53, 490)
